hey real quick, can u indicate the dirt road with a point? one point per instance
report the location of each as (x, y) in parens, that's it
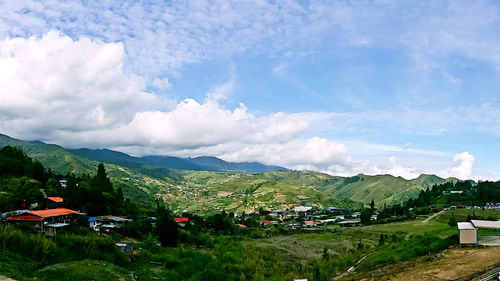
(433, 216)
(3, 278)
(456, 264)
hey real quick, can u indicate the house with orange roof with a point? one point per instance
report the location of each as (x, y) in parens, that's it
(46, 221)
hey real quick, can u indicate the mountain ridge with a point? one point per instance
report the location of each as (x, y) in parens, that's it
(202, 163)
(232, 190)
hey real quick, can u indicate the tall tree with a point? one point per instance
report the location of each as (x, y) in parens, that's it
(166, 228)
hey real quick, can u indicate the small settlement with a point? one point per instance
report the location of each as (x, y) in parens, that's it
(306, 217)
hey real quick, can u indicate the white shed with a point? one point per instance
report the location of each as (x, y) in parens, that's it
(467, 233)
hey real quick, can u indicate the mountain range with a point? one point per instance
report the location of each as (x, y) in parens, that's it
(203, 163)
(207, 184)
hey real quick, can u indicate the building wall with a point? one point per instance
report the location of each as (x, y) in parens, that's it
(468, 236)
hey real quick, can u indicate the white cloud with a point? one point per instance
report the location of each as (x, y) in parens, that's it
(76, 93)
(161, 83)
(464, 169)
(55, 84)
(394, 168)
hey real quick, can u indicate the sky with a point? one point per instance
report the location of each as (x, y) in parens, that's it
(342, 87)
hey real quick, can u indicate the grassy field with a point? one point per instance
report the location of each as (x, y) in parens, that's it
(403, 241)
(84, 270)
(315, 255)
(461, 214)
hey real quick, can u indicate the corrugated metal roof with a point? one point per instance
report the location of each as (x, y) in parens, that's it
(113, 218)
(25, 218)
(53, 212)
(465, 225)
(486, 224)
(56, 199)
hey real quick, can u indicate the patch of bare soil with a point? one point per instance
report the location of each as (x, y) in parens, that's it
(3, 278)
(455, 264)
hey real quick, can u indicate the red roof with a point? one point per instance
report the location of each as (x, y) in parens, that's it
(312, 222)
(181, 219)
(24, 218)
(56, 199)
(53, 212)
(240, 225)
(265, 222)
(40, 215)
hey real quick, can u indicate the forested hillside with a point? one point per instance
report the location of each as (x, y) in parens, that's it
(205, 191)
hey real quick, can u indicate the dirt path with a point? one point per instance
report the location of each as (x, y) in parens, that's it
(3, 278)
(456, 264)
(433, 216)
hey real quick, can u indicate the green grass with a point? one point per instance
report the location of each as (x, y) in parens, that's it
(461, 214)
(82, 271)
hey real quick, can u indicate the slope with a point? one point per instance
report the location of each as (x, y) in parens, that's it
(210, 163)
(136, 186)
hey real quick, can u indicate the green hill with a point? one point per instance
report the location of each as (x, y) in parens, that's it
(202, 191)
(137, 186)
(383, 189)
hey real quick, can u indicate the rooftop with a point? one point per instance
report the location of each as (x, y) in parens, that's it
(40, 215)
(56, 199)
(181, 219)
(465, 225)
(486, 224)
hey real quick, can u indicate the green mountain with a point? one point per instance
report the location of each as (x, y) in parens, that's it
(361, 188)
(139, 186)
(206, 191)
(154, 162)
(383, 189)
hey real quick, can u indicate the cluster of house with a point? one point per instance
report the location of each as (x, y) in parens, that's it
(50, 221)
(311, 216)
(486, 206)
(492, 206)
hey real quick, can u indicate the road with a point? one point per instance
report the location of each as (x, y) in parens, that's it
(3, 278)
(433, 216)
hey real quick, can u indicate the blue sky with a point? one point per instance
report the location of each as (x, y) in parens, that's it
(374, 87)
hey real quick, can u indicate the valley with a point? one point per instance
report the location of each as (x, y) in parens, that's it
(277, 225)
(208, 191)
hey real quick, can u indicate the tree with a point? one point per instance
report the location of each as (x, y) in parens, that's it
(372, 205)
(452, 221)
(381, 240)
(325, 255)
(166, 228)
(366, 215)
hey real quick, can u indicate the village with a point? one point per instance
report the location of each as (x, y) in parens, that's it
(55, 218)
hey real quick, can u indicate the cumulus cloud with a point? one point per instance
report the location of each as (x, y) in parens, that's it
(316, 154)
(463, 171)
(394, 168)
(54, 83)
(75, 93)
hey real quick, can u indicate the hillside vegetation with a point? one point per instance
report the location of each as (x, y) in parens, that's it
(209, 191)
(212, 247)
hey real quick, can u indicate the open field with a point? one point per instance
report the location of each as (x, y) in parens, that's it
(461, 214)
(308, 247)
(455, 264)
